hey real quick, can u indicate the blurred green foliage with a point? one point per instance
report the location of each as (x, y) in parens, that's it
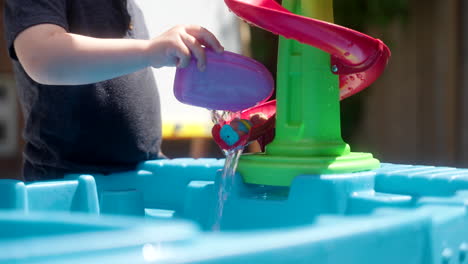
(358, 14)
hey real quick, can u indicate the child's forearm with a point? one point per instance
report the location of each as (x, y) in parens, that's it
(52, 56)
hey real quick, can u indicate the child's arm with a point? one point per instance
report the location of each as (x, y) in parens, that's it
(52, 56)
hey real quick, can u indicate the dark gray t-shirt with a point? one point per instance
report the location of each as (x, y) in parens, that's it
(104, 127)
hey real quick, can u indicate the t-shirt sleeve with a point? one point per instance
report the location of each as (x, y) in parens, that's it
(22, 14)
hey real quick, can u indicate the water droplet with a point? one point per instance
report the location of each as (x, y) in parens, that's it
(226, 183)
(447, 254)
(352, 78)
(464, 247)
(152, 252)
(334, 68)
(463, 250)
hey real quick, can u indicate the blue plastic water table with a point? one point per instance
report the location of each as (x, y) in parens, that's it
(165, 210)
(163, 213)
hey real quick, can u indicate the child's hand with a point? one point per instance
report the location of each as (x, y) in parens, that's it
(176, 46)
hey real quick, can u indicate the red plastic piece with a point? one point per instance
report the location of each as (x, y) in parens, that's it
(263, 132)
(358, 59)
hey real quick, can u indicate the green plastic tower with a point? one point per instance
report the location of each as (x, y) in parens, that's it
(308, 133)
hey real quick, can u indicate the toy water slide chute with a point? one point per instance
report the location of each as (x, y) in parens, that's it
(357, 58)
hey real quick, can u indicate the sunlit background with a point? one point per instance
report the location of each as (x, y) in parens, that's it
(415, 113)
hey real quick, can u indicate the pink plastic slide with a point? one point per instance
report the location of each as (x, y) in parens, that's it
(357, 58)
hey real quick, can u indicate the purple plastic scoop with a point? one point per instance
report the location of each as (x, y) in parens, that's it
(230, 82)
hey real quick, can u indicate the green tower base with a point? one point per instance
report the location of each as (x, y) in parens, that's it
(281, 170)
(308, 132)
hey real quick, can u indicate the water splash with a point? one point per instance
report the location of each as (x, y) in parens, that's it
(220, 117)
(226, 181)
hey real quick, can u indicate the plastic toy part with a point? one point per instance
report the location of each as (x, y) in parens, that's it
(230, 82)
(229, 135)
(308, 134)
(227, 138)
(256, 123)
(358, 59)
(237, 129)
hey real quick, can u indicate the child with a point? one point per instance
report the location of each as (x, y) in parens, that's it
(83, 70)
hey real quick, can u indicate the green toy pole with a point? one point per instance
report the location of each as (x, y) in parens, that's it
(308, 133)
